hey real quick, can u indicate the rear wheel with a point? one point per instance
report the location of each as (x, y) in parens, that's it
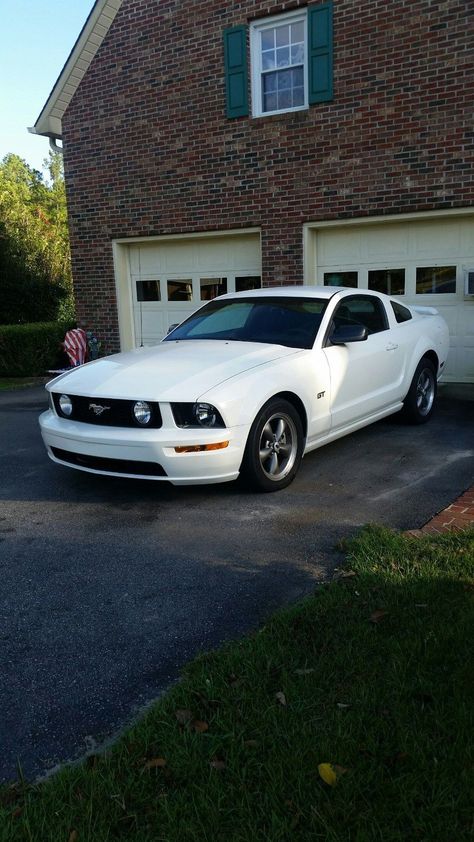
(419, 403)
(274, 447)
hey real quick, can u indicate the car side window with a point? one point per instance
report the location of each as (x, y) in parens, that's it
(402, 314)
(366, 310)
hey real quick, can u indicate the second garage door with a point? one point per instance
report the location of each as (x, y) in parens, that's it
(421, 261)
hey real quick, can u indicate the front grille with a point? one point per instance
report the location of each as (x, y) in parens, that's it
(112, 466)
(115, 413)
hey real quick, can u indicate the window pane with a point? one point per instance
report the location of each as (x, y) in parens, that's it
(211, 287)
(284, 80)
(297, 32)
(283, 57)
(298, 97)
(297, 77)
(268, 39)
(340, 279)
(148, 291)
(251, 282)
(269, 83)
(297, 54)
(181, 290)
(268, 60)
(282, 34)
(435, 280)
(390, 281)
(270, 102)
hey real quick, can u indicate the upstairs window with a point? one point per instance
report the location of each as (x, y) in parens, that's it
(279, 66)
(291, 63)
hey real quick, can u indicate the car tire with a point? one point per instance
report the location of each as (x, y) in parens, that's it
(274, 447)
(420, 401)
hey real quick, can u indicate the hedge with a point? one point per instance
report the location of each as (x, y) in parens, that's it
(31, 349)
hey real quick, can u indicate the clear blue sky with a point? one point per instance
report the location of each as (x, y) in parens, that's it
(36, 37)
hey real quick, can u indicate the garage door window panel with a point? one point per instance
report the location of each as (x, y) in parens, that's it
(210, 288)
(180, 290)
(341, 279)
(389, 281)
(148, 291)
(243, 284)
(435, 280)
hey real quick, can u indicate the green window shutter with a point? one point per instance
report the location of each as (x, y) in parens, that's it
(320, 47)
(236, 79)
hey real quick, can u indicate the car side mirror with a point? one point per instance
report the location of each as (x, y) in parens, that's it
(172, 327)
(348, 333)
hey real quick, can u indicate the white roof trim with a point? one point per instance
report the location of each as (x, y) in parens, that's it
(93, 33)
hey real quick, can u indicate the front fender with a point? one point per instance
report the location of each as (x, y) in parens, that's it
(304, 374)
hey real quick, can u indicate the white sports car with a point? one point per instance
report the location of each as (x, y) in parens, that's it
(247, 385)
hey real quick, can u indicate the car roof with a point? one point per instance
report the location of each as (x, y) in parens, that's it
(296, 291)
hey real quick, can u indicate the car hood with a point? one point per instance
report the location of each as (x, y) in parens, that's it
(170, 371)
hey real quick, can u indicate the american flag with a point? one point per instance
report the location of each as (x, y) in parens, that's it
(75, 345)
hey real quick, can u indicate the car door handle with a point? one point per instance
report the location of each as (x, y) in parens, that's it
(392, 346)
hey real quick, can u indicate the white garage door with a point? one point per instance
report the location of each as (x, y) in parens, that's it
(170, 279)
(421, 262)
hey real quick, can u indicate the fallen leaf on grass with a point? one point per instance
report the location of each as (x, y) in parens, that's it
(155, 763)
(17, 813)
(199, 726)
(73, 836)
(280, 697)
(331, 772)
(304, 672)
(377, 616)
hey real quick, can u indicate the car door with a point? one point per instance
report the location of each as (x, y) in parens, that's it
(365, 375)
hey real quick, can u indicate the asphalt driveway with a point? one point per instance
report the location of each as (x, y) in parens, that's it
(109, 586)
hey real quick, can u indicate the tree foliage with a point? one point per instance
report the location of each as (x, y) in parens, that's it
(35, 266)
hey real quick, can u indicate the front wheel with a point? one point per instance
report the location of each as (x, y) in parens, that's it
(274, 447)
(419, 403)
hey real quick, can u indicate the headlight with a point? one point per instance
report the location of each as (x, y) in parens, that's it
(205, 414)
(196, 415)
(142, 412)
(65, 405)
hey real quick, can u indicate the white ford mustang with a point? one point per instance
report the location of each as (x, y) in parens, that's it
(248, 384)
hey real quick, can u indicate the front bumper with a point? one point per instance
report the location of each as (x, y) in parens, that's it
(144, 454)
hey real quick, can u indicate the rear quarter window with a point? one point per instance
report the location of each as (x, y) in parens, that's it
(402, 314)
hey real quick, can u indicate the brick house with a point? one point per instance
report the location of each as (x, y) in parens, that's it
(213, 146)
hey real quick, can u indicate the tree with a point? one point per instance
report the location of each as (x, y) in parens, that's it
(35, 267)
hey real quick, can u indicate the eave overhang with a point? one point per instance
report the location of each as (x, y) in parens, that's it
(49, 122)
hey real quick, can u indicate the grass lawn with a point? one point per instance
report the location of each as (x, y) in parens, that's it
(7, 383)
(372, 674)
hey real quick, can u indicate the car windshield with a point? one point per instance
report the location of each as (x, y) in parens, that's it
(293, 322)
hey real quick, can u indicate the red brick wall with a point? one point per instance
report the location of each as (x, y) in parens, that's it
(148, 149)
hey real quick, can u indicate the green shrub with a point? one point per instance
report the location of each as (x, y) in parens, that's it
(32, 349)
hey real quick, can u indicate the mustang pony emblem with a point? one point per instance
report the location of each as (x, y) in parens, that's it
(97, 408)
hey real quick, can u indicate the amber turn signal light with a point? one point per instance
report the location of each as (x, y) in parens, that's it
(195, 448)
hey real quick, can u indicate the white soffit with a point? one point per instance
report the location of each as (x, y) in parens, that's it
(93, 33)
